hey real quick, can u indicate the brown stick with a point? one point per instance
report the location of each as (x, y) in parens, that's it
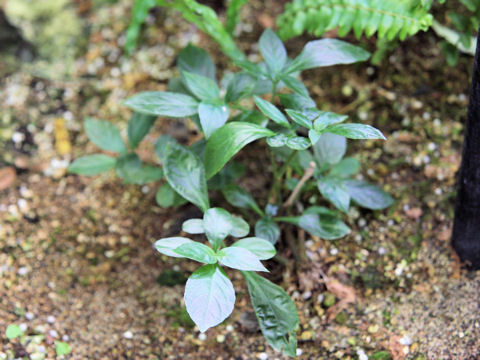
(306, 176)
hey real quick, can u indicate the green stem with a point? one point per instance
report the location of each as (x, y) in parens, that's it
(282, 170)
(274, 91)
(275, 189)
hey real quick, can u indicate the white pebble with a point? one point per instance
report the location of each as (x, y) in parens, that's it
(145, 189)
(23, 271)
(65, 338)
(41, 349)
(358, 238)
(362, 222)
(128, 335)
(23, 327)
(202, 337)
(51, 319)
(431, 146)
(438, 191)
(229, 328)
(334, 251)
(437, 122)
(381, 250)
(18, 137)
(263, 356)
(299, 351)
(220, 338)
(29, 316)
(426, 115)
(307, 295)
(406, 341)
(361, 355)
(53, 333)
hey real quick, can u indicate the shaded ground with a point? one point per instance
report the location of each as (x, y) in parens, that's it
(76, 261)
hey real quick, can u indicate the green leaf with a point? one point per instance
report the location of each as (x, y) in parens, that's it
(209, 296)
(233, 13)
(129, 168)
(195, 60)
(346, 167)
(217, 223)
(356, 131)
(193, 226)
(197, 251)
(323, 119)
(253, 117)
(138, 126)
(251, 68)
(167, 197)
(240, 227)
(13, 331)
(162, 145)
(267, 229)
(277, 140)
(230, 138)
(167, 246)
(240, 85)
(261, 248)
(298, 143)
(273, 51)
(295, 85)
(213, 115)
(276, 312)
(320, 222)
(140, 11)
(296, 101)
(367, 195)
(92, 164)
(202, 87)
(271, 111)
(62, 348)
(162, 103)
(185, 173)
(329, 149)
(105, 135)
(240, 258)
(231, 172)
(326, 52)
(299, 118)
(239, 197)
(335, 191)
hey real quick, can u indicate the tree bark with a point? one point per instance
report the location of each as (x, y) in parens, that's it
(466, 225)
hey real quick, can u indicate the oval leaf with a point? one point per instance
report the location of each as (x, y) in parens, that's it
(185, 173)
(197, 251)
(92, 164)
(240, 258)
(271, 111)
(209, 296)
(227, 141)
(105, 135)
(329, 149)
(273, 51)
(267, 229)
(356, 131)
(239, 197)
(197, 61)
(193, 226)
(162, 103)
(202, 87)
(335, 191)
(138, 126)
(367, 195)
(167, 245)
(240, 227)
(217, 223)
(326, 52)
(261, 248)
(276, 312)
(212, 115)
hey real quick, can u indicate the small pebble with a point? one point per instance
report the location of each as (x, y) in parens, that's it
(65, 338)
(381, 250)
(362, 222)
(406, 341)
(128, 335)
(263, 356)
(229, 328)
(53, 333)
(22, 271)
(202, 337)
(361, 355)
(220, 338)
(299, 351)
(23, 327)
(307, 295)
(334, 251)
(145, 189)
(51, 319)
(41, 348)
(29, 316)
(438, 191)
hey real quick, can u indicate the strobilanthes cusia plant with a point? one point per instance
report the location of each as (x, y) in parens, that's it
(306, 147)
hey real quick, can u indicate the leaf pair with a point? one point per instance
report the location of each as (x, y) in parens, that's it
(128, 166)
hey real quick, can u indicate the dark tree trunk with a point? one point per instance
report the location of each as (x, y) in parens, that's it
(466, 226)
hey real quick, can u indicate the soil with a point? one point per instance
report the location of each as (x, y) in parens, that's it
(76, 257)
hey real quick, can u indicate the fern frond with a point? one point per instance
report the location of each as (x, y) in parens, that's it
(388, 18)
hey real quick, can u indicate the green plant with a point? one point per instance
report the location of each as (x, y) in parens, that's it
(229, 120)
(388, 19)
(465, 20)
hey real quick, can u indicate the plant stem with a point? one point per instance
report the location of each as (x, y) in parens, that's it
(274, 91)
(282, 170)
(306, 176)
(274, 194)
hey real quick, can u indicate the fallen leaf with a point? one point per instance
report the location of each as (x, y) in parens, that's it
(266, 21)
(344, 293)
(7, 177)
(396, 349)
